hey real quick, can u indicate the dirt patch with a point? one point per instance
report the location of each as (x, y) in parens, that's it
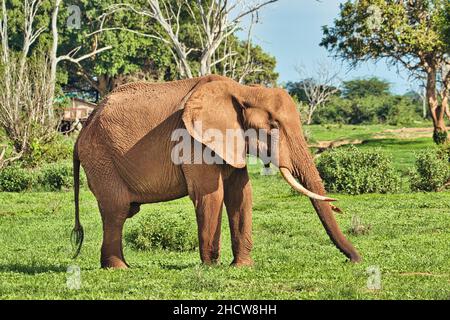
(324, 145)
(335, 144)
(405, 133)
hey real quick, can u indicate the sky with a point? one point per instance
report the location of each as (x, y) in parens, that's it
(291, 30)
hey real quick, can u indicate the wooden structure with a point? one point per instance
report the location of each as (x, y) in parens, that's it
(76, 114)
(79, 110)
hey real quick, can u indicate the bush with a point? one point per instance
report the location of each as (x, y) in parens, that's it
(56, 176)
(163, 231)
(353, 171)
(61, 148)
(15, 179)
(432, 170)
(393, 110)
(439, 137)
(443, 151)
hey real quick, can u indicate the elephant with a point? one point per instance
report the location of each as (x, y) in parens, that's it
(126, 146)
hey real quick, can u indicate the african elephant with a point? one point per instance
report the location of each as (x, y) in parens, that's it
(125, 149)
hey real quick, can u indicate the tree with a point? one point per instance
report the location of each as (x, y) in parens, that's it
(361, 88)
(408, 33)
(26, 85)
(195, 30)
(317, 87)
(249, 64)
(28, 70)
(132, 56)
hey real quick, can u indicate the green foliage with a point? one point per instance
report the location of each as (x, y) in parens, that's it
(432, 170)
(440, 137)
(161, 230)
(56, 176)
(412, 34)
(353, 171)
(361, 88)
(389, 109)
(60, 148)
(15, 179)
(134, 56)
(260, 60)
(444, 151)
(374, 29)
(297, 89)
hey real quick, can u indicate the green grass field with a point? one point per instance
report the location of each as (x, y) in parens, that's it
(400, 150)
(408, 241)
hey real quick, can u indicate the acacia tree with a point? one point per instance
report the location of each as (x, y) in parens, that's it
(409, 34)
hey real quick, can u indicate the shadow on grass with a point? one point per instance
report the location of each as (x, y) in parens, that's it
(396, 142)
(178, 267)
(31, 269)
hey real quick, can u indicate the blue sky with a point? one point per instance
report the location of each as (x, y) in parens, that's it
(291, 31)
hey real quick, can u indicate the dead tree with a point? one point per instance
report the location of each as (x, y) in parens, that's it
(215, 22)
(29, 80)
(318, 87)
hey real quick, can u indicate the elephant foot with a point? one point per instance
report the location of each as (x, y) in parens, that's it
(238, 263)
(114, 263)
(211, 263)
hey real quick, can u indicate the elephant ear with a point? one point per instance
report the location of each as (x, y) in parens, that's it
(213, 116)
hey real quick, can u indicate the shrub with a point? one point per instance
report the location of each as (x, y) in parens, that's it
(56, 176)
(393, 110)
(15, 179)
(444, 151)
(163, 231)
(60, 148)
(398, 111)
(440, 137)
(353, 171)
(432, 170)
(337, 110)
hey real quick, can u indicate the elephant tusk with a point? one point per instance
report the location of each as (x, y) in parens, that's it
(287, 175)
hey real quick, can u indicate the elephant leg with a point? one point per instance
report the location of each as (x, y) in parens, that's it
(114, 204)
(207, 196)
(112, 249)
(238, 201)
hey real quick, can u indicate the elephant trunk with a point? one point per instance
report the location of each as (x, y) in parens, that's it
(304, 169)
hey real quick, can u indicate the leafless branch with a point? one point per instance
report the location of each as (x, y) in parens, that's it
(215, 21)
(318, 86)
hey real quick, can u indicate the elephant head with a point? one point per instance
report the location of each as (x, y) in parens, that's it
(224, 105)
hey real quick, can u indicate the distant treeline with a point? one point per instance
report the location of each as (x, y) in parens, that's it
(362, 101)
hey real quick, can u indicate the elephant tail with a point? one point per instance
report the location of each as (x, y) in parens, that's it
(77, 235)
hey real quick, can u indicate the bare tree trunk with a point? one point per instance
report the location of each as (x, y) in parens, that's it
(446, 92)
(444, 103)
(54, 53)
(215, 21)
(437, 111)
(28, 85)
(310, 116)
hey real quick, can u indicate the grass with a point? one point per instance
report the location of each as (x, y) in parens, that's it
(350, 132)
(406, 237)
(400, 150)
